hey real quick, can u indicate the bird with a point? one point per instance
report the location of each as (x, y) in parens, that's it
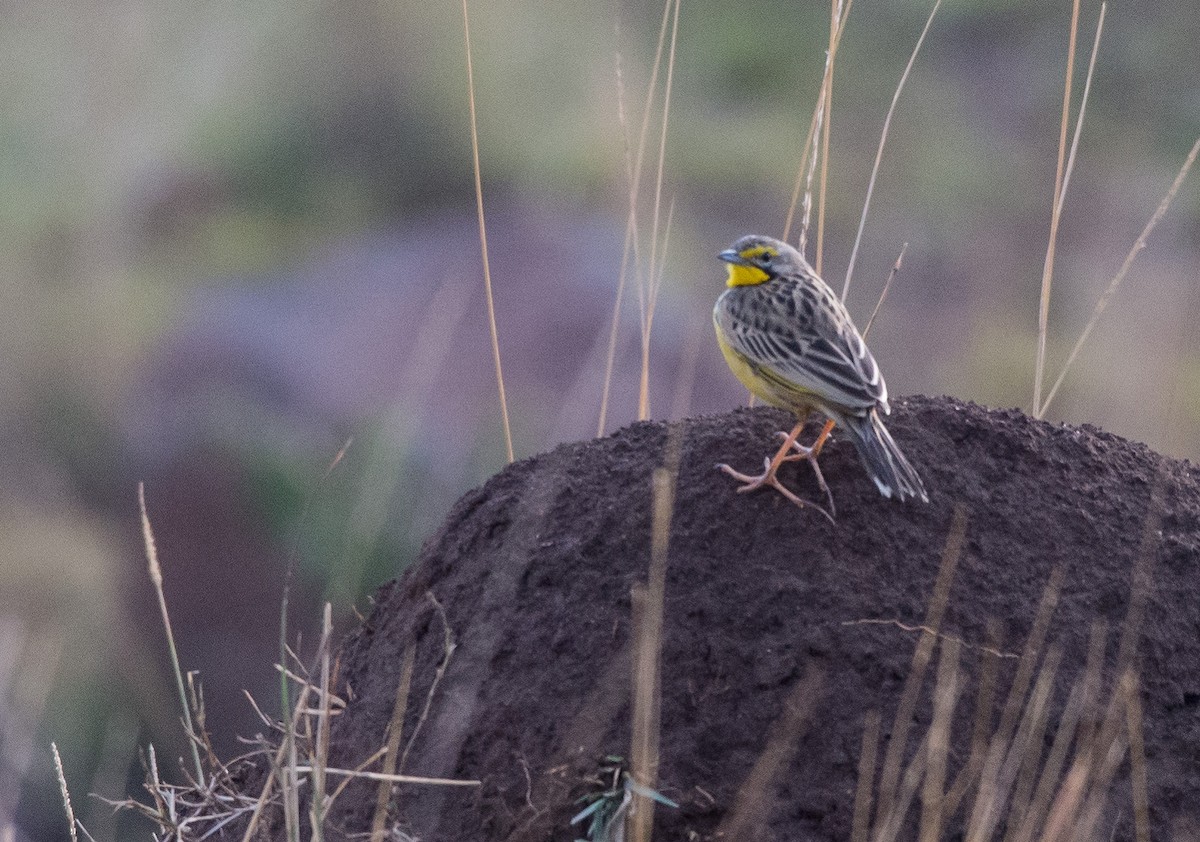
(790, 340)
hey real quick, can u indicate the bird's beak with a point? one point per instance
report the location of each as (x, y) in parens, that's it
(731, 256)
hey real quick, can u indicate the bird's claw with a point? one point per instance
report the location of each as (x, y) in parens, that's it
(769, 477)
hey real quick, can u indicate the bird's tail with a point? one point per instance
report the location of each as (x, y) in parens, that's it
(893, 474)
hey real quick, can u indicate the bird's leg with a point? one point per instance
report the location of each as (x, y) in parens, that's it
(767, 477)
(810, 454)
(814, 450)
(771, 467)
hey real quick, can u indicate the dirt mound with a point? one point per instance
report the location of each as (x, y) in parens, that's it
(534, 573)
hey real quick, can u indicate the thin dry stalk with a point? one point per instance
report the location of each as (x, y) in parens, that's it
(650, 295)
(907, 791)
(1029, 656)
(284, 769)
(1073, 812)
(752, 804)
(646, 699)
(1136, 249)
(821, 118)
(807, 166)
(984, 701)
(798, 186)
(861, 823)
(1083, 696)
(395, 731)
(66, 794)
(156, 577)
(1142, 578)
(886, 287)
(1007, 755)
(319, 756)
(1055, 215)
(890, 777)
(291, 805)
(944, 701)
(483, 244)
(1031, 756)
(448, 649)
(633, 174)
(396, 779)
(370, 761)
(1137, 758)
(887, 123)
(836, 20)
(1083, 101)
(1064, 735)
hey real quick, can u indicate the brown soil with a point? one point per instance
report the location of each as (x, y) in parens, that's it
(534, 571)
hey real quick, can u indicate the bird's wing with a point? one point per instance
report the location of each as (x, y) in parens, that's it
(802, 341)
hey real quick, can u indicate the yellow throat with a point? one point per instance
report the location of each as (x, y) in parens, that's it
(744, 276)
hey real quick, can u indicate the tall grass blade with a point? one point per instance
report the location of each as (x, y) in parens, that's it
(651, 292)
(861, 824)
(945, 699)
(395, 732)
(1138, 245)
(156, 577)
(483, 244)
(64, 792)
(1055, 214)
(890, 777)
(633, 175)
(836, 19)
(648, 654)
(887, 285)
(808, 152)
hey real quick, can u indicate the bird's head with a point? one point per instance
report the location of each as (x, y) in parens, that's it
(755, 260)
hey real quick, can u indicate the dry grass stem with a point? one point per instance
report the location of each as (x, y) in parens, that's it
(448, 648)
(319, 755)
(633, 174)
(887, 285)
(836, 20)
(861, 824)
(752, 804)
(1083, 101)
(66, 793)
(985, 697)
(392, 748)
(156, 577)
(1055, 215)
(887, 123)
(944, 702)
(648, 652)
(798, 186)
(890, 777)
(647, 286)
(396, 779)
(1030, 757)
(913, 774)
(483, 243)
(1107, 295)
(821, 122)
(1030, 656)
(1137, 758)
(808, 151)
(1141, 578)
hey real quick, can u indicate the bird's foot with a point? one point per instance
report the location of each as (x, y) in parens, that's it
(769, 477)
(810, 455)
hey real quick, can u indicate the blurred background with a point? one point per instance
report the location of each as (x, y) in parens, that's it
(237, 235)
